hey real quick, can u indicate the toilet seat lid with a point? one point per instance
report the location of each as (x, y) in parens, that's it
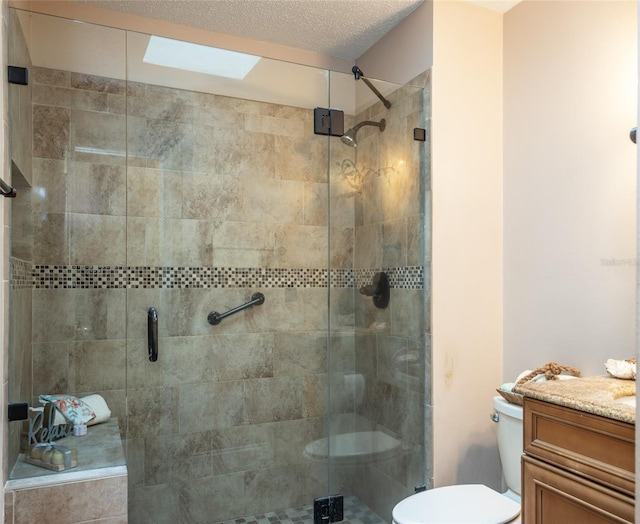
(464, 504)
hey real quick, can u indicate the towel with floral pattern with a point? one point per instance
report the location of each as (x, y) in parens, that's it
(73, 409)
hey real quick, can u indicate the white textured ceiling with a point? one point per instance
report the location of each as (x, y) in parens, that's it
(340, 28)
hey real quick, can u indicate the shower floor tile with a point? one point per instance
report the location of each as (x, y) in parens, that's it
(355, 512)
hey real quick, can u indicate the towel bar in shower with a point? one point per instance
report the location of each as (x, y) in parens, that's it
(214, 318)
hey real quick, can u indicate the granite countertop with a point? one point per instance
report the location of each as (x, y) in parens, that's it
(596, 395)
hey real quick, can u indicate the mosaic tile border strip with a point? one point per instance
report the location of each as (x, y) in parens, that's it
(141, 277)
(21, 274)
(408, 277)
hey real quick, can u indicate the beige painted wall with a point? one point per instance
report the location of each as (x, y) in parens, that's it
(405, 52)
(570, 99)
(467, 240)
(569, 200)
(466, 53)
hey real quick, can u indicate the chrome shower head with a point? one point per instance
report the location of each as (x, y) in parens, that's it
(349, 138)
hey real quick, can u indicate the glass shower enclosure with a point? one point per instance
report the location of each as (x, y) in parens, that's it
(157, 190)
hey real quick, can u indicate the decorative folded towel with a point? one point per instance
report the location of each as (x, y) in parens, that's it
(88, 410)
(99, 406)
(72, 408)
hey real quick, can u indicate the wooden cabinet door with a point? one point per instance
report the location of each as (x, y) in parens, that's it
(554, 496)
(591, 446)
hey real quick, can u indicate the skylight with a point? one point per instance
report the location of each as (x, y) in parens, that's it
(198, 58)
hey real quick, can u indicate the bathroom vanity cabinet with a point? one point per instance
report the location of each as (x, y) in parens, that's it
(576, 467)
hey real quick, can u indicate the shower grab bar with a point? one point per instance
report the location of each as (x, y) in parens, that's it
(152, 333)
(214, 318)
(6, 190)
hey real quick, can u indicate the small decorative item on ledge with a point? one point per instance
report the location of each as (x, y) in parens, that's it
(550, 371)
(52, 456)
(42, 451)
(42, 427)
(510, 396)
(625, 369)
(79, 430)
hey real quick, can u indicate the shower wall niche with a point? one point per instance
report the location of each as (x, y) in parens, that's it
(144, 193)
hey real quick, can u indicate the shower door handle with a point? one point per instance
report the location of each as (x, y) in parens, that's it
(152, 333)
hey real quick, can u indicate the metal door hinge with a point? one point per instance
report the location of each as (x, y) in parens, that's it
(328, 509)
(18, 411)
(328, 121)
(18, 75)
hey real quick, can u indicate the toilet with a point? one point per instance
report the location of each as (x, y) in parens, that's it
(475, 503)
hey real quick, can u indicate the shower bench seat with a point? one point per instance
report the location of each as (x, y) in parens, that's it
(95, 489)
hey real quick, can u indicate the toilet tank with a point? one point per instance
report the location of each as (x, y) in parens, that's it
(509, 441)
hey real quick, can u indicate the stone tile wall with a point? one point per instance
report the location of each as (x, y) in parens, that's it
(188, 202)
(99, 501)
(214, 189)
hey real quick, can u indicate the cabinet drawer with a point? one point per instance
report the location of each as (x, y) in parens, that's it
(592, 446)
(555, 496)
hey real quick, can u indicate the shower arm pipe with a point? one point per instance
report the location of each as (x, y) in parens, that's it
(380, 124)
(214, 318)
(359, 75)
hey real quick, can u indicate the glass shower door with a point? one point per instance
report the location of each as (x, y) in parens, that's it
(67, 302)
(226, 197)
(379, 388)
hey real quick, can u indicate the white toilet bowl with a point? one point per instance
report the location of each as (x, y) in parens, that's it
(475, 503)
(462, 504)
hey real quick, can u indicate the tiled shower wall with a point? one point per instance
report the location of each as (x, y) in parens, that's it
(148, 196)
(221, 198)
